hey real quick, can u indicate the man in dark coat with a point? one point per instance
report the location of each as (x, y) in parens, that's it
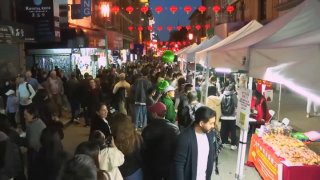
(159, 141)
(195, 152)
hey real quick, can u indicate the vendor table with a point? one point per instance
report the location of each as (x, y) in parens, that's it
(270, 166)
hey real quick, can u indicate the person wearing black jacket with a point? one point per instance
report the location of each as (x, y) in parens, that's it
(159, 142)
(94, 98)
(196, 150)
(99, 120)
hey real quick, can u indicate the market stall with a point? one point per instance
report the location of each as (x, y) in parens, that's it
(277, 155)
(291, 56)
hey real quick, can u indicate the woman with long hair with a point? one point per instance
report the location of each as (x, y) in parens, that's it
(100, 121)
(51, 155)
(94, 98)
(129, 142)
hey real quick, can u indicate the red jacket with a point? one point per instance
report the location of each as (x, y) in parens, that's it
(261, 113)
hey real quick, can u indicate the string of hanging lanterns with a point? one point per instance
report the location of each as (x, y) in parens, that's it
(159, 9)
(169, 28)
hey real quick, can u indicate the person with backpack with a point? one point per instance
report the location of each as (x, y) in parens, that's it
(120, 91)
(25, 94)
(188, 112)
(229, 102)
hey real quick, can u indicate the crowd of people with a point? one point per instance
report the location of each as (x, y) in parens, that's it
(137, 131)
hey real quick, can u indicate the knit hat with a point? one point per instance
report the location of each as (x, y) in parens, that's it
(159, 108)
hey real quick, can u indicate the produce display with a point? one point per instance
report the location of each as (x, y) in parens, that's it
(292, 150)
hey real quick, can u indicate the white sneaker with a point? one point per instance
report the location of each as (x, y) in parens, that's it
(76, 120)
(22, 134)
(316, 114)
(225, 145)
(308, 115)
(233, 147)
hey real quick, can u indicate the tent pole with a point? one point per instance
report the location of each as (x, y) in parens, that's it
(280, 94)
(194, 75)
(207, 81)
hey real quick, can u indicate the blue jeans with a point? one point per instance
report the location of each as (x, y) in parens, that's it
(140, 112)
(138, 175)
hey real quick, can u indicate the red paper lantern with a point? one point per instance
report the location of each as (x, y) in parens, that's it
(158, 9)
(115, 9)
(159, 28)
(230, 9)
(130, 28)
(188, 27)
(161, 43)
(129, 9)
(216, 8)
(207, 26)
(169, 28)
(140, 28)
(173, 9)
(184, 43)
(179, 28)
(167, 43)
(150, 28)
(187, 9)
(202, 9)
(144, 9)
(198, 27)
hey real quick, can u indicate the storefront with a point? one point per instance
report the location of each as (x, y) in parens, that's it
(12, 39)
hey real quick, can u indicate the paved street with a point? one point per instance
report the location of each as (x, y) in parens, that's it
(292, 106)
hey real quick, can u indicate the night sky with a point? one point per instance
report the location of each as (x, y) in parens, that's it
(166, 18)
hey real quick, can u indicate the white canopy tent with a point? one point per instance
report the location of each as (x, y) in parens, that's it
(191, 53)
(291, 56)
(183, 51)
(218, 57)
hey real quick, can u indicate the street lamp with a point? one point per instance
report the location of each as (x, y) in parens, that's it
(105, 13)
(190, 36)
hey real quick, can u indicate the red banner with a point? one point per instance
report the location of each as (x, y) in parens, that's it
(266, 162)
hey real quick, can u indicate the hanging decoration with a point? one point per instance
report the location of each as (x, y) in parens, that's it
(129, 9)
(115, 9)
(168, 56)
(207, 26)
(169, 28)
(158, 9)
(159, 28)
(144, 9)
(230, 9)
(187, 9)
(150, 28)
(173, 9)
(198, 27)
(179, 27)
(202, 9)
(216, 9)
(188, 27)
(130, 28)
(140, 28)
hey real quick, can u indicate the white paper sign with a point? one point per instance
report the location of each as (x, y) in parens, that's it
(243, 110)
